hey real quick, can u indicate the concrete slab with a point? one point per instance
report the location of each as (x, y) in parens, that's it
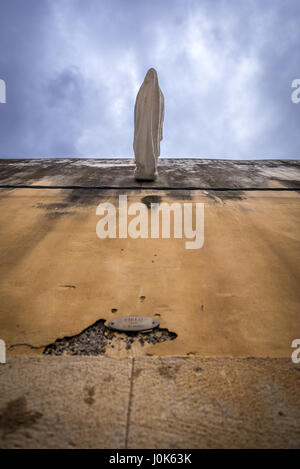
(147, 402)
(64, 402)
(214, 403)
(173, 172)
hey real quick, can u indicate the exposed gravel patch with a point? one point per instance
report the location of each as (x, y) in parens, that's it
(97, 338)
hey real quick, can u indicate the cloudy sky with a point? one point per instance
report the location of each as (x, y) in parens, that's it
(72, 70)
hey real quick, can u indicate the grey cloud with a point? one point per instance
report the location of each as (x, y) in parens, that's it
(73, 69)
(65, 87)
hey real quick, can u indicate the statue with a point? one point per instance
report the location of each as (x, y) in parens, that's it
(148, 123)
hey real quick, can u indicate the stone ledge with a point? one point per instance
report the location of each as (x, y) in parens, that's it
(173, 402)
(175, 173)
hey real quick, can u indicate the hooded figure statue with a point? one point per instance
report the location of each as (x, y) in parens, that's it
(148, 123)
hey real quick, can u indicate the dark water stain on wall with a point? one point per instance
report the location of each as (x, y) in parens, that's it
(16, 415)
(151, 199)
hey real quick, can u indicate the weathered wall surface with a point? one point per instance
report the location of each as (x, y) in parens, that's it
(237, 296)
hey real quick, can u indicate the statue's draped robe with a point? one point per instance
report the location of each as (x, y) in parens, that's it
(148, 122)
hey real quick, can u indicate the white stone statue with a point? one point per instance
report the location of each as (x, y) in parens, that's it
(148, 124)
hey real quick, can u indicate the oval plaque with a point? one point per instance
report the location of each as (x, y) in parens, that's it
(133, 323)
